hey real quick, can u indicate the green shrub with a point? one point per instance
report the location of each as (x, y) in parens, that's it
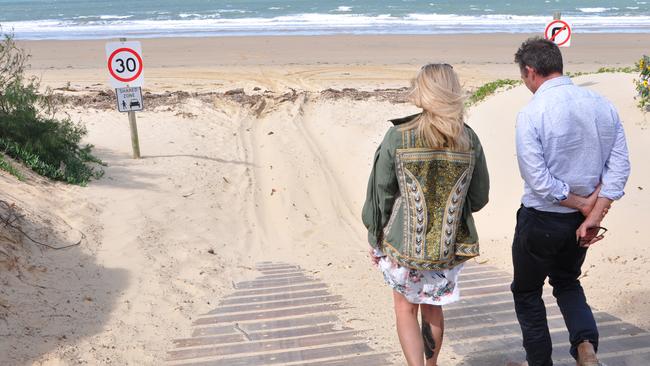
(626, 69)
(7, 166)
(31, 133)
(642, 84)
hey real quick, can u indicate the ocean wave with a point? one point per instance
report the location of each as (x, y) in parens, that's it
(593, 10)
(317, 23)
(343, 8)
(103, 17)
(112, 17)
(195, 16)
(239, 11)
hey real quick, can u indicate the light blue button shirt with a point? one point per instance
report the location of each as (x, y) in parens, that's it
(569, 139)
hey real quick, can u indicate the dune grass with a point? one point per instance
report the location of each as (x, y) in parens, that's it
(31, 129)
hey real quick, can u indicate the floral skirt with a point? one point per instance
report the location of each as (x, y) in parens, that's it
(421, 287)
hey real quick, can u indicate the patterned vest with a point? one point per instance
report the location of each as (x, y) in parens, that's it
(426, 230)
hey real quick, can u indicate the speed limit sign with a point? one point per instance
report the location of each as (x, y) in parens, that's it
(124, 62)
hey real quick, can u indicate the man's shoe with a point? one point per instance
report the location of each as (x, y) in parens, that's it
(511, 363)
(587, 355)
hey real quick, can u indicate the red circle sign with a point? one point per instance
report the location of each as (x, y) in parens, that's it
(565, 26)
(110, 64)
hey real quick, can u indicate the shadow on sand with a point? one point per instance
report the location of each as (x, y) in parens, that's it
(51, 299)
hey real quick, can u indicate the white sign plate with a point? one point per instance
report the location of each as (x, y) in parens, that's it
(558, 31)
(129, 99)
(124, 62)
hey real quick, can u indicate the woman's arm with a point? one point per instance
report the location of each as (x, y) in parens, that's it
(479, 187)
(382, 190)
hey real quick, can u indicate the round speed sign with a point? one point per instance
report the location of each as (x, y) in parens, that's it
(124, 63)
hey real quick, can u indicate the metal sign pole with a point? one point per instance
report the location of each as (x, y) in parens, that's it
(557, 15)
(135, 142)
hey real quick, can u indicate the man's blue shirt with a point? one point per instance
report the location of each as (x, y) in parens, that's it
(569, 139)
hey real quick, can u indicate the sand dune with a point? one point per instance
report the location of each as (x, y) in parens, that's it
(222, 186)
(243, 187)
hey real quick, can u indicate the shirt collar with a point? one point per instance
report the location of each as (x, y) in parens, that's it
(551, 83)
(399, 121)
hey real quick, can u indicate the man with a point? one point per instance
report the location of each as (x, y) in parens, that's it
(573, 158)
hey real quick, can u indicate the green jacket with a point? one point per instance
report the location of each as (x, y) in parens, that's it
(419, 202)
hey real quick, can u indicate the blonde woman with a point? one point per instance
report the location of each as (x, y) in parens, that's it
(429, 175)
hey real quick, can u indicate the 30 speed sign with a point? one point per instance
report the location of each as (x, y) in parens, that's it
(124, 62)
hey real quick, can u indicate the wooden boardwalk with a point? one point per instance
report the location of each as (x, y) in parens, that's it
(283, 317)
(482, 328)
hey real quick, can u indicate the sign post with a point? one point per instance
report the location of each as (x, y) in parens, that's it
(558, 31)
(135, 142)
(124, 62)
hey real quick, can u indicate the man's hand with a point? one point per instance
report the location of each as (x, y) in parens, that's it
(587, 233)
(589, 202)
(584, 204)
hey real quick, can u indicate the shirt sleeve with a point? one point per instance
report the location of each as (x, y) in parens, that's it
(532, 166)
(617, 166)
(381, 193)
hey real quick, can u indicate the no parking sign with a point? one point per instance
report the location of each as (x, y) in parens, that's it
(558, 31)
(124, 62)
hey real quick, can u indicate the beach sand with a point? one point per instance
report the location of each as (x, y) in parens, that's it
(273, 174)
(316, 63)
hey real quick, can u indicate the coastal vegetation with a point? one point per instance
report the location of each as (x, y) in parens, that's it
(490, 88)
(643, 66)
(642, 86)
(32, 130)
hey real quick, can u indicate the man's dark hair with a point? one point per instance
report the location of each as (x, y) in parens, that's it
(540, 54)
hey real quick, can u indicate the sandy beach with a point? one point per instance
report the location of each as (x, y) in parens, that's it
(316, 63)
(274, 172)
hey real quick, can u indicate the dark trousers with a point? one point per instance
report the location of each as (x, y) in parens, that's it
(545, 245)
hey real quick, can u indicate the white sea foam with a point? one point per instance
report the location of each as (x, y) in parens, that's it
(316, 23)
(112, 17)
(240, 11)
(344, 8)
(594, 10)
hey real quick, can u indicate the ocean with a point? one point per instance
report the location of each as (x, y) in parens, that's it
(96, 19)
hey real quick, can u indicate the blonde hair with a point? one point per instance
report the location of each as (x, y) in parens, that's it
(437, 91)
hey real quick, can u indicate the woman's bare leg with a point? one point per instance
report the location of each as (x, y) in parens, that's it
(408, 330)
(433, 326)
